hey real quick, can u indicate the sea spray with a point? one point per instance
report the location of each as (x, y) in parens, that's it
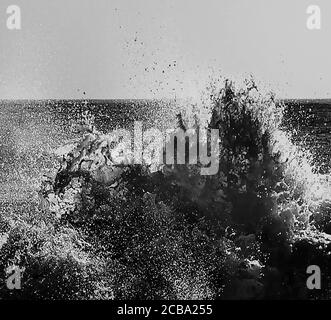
(109, 231)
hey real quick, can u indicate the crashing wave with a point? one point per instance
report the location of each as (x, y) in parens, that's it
(266, 189)
(248, 232)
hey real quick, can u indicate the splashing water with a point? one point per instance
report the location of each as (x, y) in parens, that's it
(306, 189)
(119, 226)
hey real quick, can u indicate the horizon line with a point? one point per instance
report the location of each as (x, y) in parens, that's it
(146, 99)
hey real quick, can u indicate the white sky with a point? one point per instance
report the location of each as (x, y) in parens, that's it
(161, 48)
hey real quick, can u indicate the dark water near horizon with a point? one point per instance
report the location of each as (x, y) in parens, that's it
(30, 130)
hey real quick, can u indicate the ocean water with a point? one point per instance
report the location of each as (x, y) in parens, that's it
(30, 131)
(270, 188)
(309, 122)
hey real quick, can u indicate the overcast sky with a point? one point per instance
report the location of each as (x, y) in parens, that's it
(161, 48)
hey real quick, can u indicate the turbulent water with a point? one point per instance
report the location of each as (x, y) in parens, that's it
(30, 131)
(309, 121)
(249, 232)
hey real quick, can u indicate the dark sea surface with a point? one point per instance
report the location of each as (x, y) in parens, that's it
(31, 130)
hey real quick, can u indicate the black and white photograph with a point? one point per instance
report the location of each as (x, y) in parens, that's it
(165, 150)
